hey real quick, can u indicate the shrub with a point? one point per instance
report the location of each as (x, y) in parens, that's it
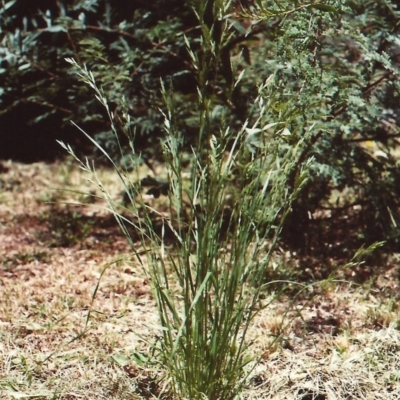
(127, 46)
(339, 71)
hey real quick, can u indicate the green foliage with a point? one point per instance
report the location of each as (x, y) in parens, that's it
(339, 70)
(128, 48)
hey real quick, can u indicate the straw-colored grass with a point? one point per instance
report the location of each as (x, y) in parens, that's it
(345, 344)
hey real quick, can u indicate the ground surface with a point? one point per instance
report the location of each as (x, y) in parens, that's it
(60, 338)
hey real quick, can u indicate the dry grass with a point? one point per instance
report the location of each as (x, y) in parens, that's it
(342, 343)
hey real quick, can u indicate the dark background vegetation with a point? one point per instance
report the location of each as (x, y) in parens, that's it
(341, 72)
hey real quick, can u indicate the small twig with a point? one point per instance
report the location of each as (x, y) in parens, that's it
(369, 88)
(34, 65)
(360, 140)
(42, 103)
(71, 42)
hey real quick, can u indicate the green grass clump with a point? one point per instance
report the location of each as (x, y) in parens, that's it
(225, 220)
